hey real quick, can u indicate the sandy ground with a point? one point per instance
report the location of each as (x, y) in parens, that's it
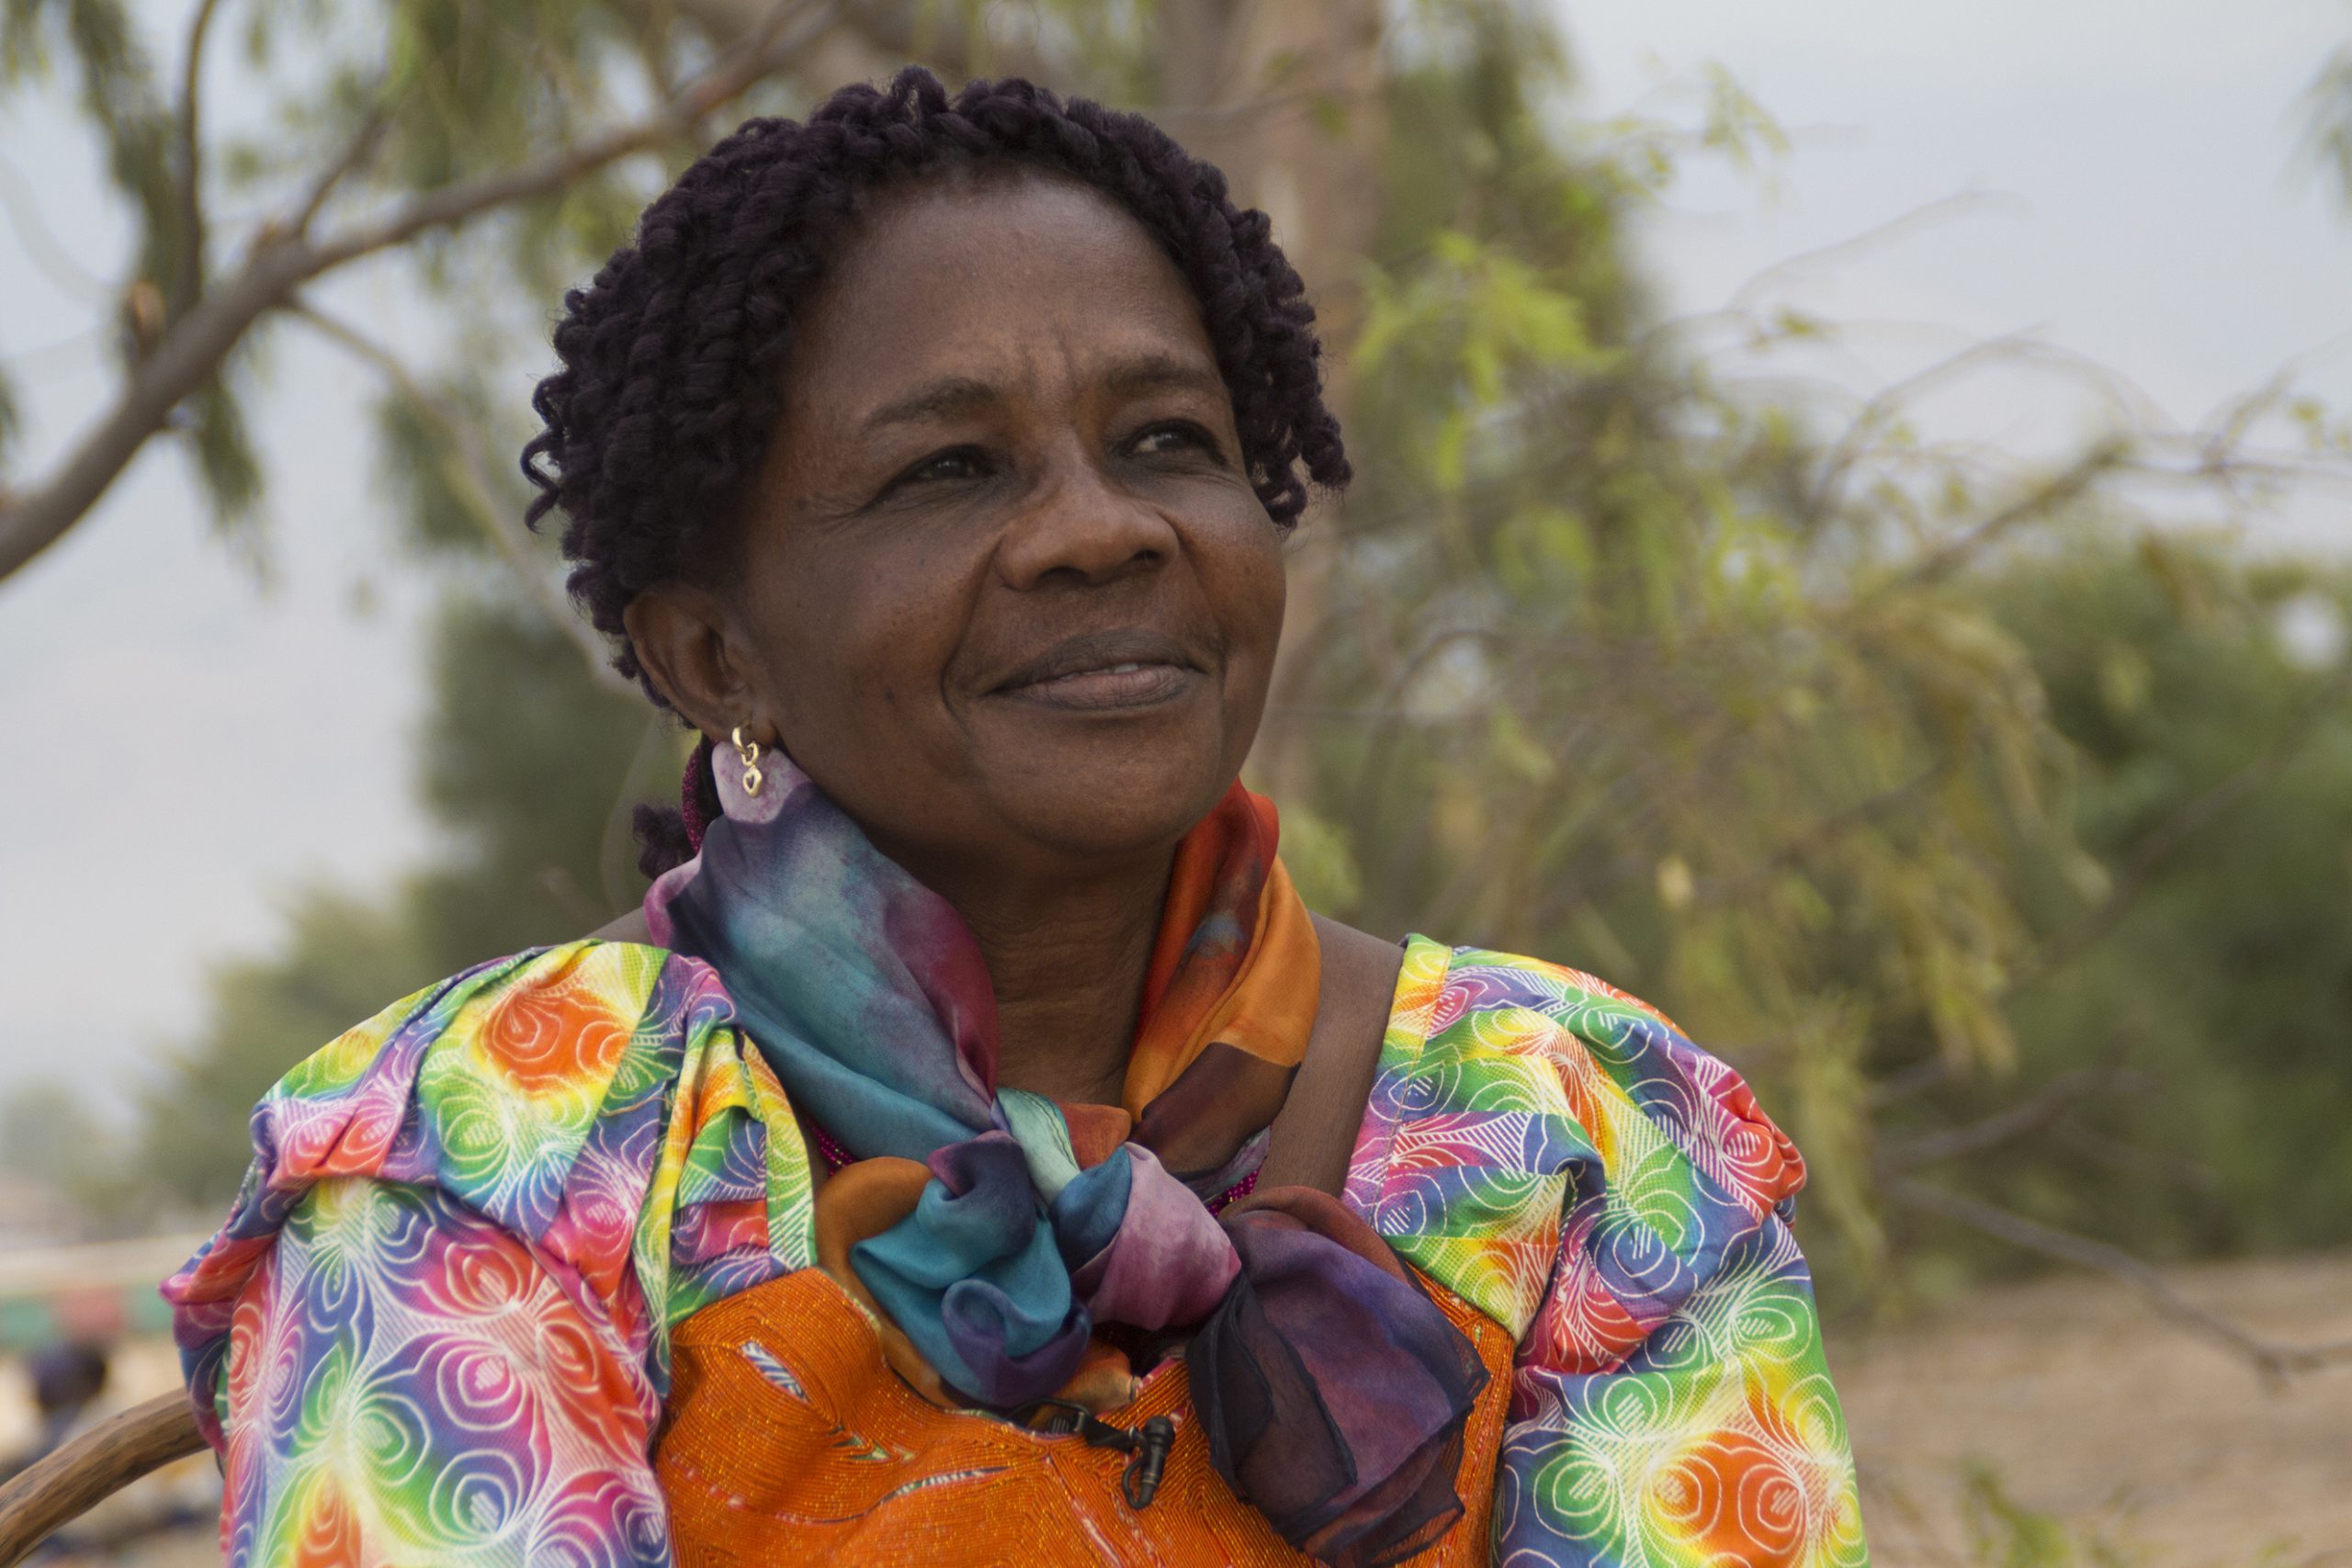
(2132, 1443)
(2137, 1437)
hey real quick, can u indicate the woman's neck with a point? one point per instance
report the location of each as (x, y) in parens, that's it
(1068, 965)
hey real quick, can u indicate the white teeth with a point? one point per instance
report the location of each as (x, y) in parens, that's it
(1127, 667)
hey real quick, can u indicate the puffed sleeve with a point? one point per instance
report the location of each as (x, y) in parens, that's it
(435, 1326)
(1558, 1153)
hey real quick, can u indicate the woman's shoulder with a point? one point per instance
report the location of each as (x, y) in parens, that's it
(594, 1078)
(594, 1100)
(1512, 1087)
(1467, 1009)
(1476, 1031)
(1397, 1020)
(1506, 1061)
(1441, 982)
(557, 1026)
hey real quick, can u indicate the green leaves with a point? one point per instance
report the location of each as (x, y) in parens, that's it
(1831, 744)
(2328, 106)
(1715, 737)
(226, 464)
(1464, 326)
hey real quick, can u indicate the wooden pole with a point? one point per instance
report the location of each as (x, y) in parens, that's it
(63, 1485)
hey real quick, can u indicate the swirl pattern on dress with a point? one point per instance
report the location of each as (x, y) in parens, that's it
(1560, 1155)
(435, 1326)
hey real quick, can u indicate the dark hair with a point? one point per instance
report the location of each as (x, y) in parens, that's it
(671, 385)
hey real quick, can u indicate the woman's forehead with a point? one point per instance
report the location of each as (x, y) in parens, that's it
(950, 287)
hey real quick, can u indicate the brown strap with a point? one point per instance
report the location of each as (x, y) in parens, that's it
(1317, 1130)
(63, 1485)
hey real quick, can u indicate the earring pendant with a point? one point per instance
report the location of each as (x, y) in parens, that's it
(748, 752)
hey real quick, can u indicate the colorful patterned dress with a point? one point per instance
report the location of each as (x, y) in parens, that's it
(437, 1327)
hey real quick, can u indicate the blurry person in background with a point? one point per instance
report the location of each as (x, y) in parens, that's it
(975, 1150)
(66, 1378)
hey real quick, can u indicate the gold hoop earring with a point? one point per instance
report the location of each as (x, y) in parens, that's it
(749, 751)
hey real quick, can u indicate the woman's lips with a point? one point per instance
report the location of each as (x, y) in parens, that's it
(1127, 684)
(1123, 667)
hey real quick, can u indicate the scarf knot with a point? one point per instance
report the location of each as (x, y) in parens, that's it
(997, 1230)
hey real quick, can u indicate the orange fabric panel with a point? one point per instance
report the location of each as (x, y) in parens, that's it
(789, 1439)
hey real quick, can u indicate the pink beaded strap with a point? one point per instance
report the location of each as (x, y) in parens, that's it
(835, 1155)
(1241, 1188)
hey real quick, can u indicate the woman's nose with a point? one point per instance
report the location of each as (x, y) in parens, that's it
(1081, 525)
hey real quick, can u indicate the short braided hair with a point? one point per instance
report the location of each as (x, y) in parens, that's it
(670, 382)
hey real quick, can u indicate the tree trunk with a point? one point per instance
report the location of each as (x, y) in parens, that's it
(1286, 99)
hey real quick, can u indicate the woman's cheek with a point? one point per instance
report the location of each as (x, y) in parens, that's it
(1259, 587)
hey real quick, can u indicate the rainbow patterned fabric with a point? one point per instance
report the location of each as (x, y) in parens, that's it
(1556, 1153)
(436, 1328)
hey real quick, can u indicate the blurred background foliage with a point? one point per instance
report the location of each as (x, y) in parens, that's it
(2001, 836)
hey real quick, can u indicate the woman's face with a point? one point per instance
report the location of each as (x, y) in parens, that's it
(1003, 588)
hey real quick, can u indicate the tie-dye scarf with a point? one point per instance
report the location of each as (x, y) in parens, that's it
(995, 1229)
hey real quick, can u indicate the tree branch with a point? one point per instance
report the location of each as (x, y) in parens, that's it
(2327, 103)
(188, 280)
(2275, 1361)
(1910, 1082)
(2037, 1111)
(2137, 875)
(193, 348)
(191, 352)
(355, 153)
(910, 29)
(457, 204)
(1827, 832)
(2069, 485)
(2139, 867)
(890, 33)
(463, 467)
(1902, 225)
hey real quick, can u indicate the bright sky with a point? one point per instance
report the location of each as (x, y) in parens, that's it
(183, 748)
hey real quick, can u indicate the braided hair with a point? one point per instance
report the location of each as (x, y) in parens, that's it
(671, 383)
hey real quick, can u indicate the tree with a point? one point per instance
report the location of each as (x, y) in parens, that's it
(438, 113)
(2182, 1043)
(444, 115)
(2327, 106)
(1749, 701)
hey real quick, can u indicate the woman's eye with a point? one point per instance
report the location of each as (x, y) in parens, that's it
(956, 463)
(1165, 438)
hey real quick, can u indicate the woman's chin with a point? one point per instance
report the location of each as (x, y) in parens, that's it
(1112, 819)
(1112, 783)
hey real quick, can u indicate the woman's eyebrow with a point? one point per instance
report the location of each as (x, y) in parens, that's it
(1162, 372)
(951, 396)
(943, 399)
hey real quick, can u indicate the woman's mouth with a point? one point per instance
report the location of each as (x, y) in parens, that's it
(1125, 685)
(1103, 671)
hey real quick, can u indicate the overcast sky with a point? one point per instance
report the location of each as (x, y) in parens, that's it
(185, 747)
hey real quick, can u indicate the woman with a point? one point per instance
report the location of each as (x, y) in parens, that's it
(975, 1150)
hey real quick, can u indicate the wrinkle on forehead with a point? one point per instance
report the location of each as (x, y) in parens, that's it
(1149, 370)
(900, 316)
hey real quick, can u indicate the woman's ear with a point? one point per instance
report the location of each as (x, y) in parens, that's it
(681, 633)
